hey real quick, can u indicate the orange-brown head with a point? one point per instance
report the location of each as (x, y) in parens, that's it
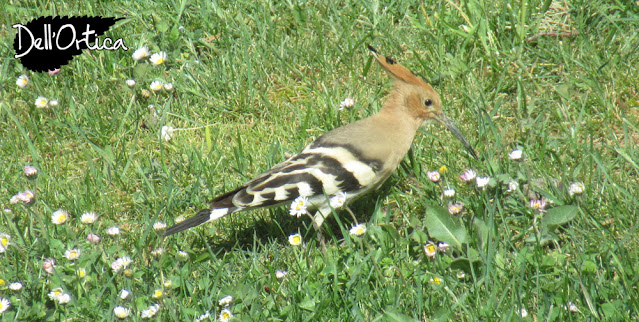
(417, 96)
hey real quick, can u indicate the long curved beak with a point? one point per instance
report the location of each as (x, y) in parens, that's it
(441, 118)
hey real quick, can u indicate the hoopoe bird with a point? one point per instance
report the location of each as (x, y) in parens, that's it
(344, 163)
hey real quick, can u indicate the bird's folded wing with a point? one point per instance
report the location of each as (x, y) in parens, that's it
(317, 171)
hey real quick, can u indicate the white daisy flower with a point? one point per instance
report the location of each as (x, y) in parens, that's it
(299, 206)
(120, 263)
(113, 231)
(358, 230)
(41, 102)
(5, 241)
(167, 133)
(64, 298)
(59, 217)
(72, 254)
(482, 182)
(168, 87)
(150, 312)
(88, 217)
(226, 301)
(22, 81)
(338, 200)
(295, 239)
(346, 103)
(53, 103)
(455, 208)
(158, 58)
(280, 274)
(449, 193)
(4, 305)
(130, 82)
(121, 312)
(156, 85)
(116, 266)
(15, 286)
(468, 175)
(430, 249)
(226, 315)
(159, 225)
(124, 294)
(26, 197)
(204, 316)
(56, 293)
(141, 53)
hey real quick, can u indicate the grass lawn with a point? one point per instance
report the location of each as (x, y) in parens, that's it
(549, 237)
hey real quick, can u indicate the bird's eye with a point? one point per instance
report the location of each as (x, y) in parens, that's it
(428, 102)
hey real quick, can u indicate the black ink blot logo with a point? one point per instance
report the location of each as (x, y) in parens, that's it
(46, 43)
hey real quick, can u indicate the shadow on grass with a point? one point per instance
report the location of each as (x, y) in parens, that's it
(254, 231)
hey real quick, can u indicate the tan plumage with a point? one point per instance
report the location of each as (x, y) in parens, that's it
(350, 160)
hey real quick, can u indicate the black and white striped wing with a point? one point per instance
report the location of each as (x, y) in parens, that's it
(315, 172)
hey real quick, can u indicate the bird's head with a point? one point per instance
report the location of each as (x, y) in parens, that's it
(419, 98)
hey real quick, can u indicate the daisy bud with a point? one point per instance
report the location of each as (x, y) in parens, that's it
(449, 193)
(433, 176)
(482, 182)
(516, 155)
(30, 172)
(93, 238)
(577, 188)
(468, 175)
